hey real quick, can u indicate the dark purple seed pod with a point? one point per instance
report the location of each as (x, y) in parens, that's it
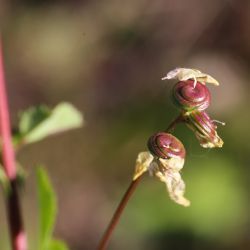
(189, 98)
(165, 146)
(204, 129)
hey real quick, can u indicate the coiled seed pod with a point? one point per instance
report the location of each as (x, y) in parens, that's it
(189, 98)
(164, 145)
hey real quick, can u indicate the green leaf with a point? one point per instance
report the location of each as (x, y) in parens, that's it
(38, 123)
(32, 117)
(47, 208)
(57, 245)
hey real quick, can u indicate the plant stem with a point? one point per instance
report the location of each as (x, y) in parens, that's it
(18, 238)
(172, 125)
(104, 241)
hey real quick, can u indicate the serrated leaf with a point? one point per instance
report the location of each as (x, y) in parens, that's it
(57, 245)
(39, 123)
(47, 208)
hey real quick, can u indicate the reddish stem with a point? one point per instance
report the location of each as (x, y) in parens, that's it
(8, 152)
(172, 125)
(104, 241)
(18, 238)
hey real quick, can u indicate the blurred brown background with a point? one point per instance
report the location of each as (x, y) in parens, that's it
(107, 58)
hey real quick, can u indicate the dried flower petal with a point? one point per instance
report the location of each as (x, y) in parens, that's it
(175, 164)
(183, 74)
(167, 171)
(142, 163)
(176, 187)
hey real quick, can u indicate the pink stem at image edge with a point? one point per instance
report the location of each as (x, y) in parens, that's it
(18, 237)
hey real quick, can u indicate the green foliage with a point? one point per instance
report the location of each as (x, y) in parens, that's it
(36, 124)
(57, 245)
(39, 122)
(47, 213)
(32, 117)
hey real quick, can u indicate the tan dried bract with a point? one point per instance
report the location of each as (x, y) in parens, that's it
(183, 74)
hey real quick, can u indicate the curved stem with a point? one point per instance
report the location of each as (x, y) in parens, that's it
(104, 241)
(18, 238)
(172, 125)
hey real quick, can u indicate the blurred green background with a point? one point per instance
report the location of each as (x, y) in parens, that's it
(107, 58)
